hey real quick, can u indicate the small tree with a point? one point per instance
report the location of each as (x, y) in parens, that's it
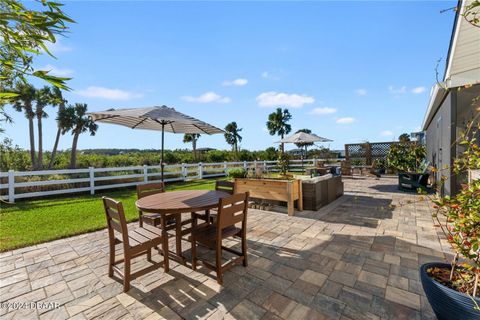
(233, 137)
(192, 138)
(406, 157)
(277, 124)
(75, 119)
(404, 137)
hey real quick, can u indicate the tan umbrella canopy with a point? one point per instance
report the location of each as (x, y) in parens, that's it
(303, 137)
(155, 118)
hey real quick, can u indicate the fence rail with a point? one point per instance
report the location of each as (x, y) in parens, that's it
(29, 184)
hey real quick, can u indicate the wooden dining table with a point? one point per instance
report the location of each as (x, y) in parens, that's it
(176, 203)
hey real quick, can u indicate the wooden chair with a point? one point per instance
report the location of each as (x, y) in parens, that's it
(231, 211)
(220, 185)
(148, 189)
(135, 243)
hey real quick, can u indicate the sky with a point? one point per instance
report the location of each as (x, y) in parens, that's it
(348, 71)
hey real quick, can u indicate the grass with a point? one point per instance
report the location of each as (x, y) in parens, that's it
(35, 221)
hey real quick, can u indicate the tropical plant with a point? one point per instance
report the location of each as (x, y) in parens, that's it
(25, 33)
(459, 219)
(23, 102)
(232, 136)
(192, 138)
(277, 124)
(42, 99)
(404, 137)
(283, 163)
(75, 119)
(60, 102)
(406, 157)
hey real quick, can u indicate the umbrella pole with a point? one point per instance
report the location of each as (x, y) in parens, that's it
(163, 140)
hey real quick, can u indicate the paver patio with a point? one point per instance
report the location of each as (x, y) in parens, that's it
(355, 259)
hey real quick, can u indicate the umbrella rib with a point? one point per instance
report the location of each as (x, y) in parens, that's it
(200, 128)
(139, 123)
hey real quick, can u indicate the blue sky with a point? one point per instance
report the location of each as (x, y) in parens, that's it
(349, 71)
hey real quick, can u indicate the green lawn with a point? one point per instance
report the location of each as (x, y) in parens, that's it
(30, 222)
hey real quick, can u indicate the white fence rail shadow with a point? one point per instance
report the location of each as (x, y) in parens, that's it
(29, 184)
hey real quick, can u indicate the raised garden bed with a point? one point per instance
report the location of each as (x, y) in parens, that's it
(273, 189)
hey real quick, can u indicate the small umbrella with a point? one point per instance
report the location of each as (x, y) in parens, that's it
(155, 118)
(303, 137)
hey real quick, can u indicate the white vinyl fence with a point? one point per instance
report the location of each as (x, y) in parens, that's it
(29, 184)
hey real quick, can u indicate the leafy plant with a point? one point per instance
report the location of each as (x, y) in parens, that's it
(406, 157)
(237, 173)
(283, 163)
(459, 219)
(277, 124)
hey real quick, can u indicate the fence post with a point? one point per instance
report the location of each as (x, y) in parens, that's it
(200, 171)
(11, 186)
(255, 166)
(184, 171)
(264, 165)
(225, 168)
(245, 165)
(92, 180)
(145, 173)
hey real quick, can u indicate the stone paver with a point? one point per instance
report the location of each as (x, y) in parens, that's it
(355, 259)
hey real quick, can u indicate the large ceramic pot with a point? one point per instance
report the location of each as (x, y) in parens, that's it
(447, 303)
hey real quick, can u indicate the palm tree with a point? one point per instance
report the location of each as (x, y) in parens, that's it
(278, 124)
(24, 102)
(304, 145)
(74, 118)
(233, 137)
(192, 138)
(56, 100)
(42, 99)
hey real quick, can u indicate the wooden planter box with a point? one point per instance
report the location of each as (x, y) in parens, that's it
(473, 175)
(270, 189)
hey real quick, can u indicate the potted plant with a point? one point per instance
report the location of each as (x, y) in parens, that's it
(408, 160)
(453, 290)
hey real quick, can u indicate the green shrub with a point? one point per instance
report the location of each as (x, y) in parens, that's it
(237, 173)
(406, 157)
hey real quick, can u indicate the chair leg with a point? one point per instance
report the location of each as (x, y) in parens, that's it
(149, 254)
(244, 250)
(111, 260)
(194, 252)
(218, 262)
(126, 275)
(140, 220)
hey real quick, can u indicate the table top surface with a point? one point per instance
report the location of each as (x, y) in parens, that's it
(180, 201)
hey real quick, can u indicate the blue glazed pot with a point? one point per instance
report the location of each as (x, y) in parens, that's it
(447, 303)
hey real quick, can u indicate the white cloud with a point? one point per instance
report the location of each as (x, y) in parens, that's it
(58, 47)
(280, 99)
(397, 91)
(59, 72)
(237, 82)
(109, 94)
(418, 90)
(346, 120)
(324, 110)
(361, 92)
(207, 97)
(386, 133)
(270, 76)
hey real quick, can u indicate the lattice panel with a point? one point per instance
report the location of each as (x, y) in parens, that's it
(366, 153)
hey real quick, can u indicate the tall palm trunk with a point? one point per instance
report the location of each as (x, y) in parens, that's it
(54, 150)
(32, 141)
(40, 142)
(57, 139)
(282, 146)
(73, 152)
(194, 148)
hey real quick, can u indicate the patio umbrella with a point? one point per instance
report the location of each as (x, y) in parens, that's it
(155, 118)
(303, 137)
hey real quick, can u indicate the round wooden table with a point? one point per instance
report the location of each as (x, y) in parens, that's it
(176, 203)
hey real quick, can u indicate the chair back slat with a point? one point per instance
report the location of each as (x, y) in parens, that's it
(225, 186)
(147, 189)
(115, 219)
(232, 210)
